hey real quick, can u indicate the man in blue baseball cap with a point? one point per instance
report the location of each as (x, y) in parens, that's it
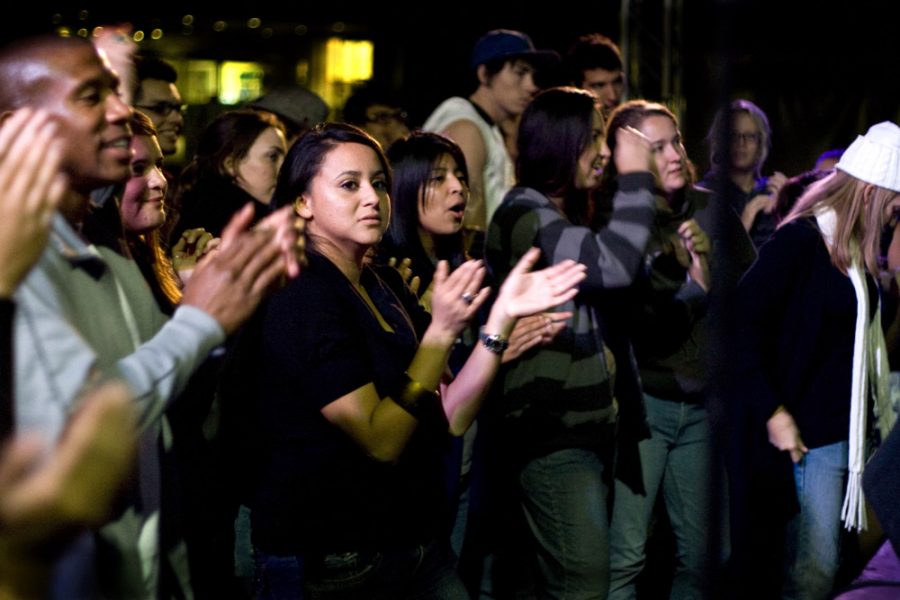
(504, 61)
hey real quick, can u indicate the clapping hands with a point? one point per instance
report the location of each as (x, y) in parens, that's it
(456, 297)
(525, 293)
(31, 189)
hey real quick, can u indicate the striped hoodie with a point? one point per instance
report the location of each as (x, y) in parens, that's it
(560, 395)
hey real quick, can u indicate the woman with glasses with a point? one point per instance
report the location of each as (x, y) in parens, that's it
(736, 170)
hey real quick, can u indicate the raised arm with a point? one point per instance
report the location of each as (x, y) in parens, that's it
(614, 253)
(222, 293)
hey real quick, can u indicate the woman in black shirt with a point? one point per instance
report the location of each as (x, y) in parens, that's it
(352, 403)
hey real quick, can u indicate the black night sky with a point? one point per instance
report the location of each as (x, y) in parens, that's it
(823, 72)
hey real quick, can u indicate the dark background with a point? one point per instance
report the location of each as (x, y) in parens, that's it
(823, 72)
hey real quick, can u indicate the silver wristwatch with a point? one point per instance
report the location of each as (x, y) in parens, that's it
(493, 341)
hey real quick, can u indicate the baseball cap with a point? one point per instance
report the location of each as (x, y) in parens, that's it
(510, 44)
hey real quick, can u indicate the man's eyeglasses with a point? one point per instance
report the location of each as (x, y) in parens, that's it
(386, 116)
(164, 108)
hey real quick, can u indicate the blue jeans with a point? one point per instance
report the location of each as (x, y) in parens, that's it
(243, 548)
(419, 573)
(678, 458)
(814, 534)
(564, 500)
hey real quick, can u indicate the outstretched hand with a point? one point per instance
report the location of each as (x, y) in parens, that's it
(116, 44)
(524, 293)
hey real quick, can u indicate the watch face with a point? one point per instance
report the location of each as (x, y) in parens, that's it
(494, 342)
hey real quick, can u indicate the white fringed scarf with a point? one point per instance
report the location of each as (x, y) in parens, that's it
(869, 359)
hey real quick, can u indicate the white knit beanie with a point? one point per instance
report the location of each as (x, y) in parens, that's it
(875, 157)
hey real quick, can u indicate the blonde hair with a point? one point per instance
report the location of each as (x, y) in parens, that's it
(858, 223)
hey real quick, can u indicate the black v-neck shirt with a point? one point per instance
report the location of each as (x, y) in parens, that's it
(317, 491)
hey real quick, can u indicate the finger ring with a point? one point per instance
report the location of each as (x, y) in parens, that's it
(468, 298)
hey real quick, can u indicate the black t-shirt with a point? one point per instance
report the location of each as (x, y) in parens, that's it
(317, 490)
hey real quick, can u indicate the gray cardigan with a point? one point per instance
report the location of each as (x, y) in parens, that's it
(84, 312)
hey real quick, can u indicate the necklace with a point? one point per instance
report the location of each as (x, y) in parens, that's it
(367, 300)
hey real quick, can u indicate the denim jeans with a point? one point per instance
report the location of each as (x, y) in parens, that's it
(423, 572)
(814, 534)
(678, 458)
(564, 500)
(243, 548)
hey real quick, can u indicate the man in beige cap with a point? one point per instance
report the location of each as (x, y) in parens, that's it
(297, 107)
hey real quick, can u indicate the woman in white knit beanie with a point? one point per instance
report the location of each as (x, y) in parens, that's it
(811, 349)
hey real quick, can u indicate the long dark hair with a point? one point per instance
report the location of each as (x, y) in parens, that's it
(208, 194)
(304, 161)
(556, 129)
(412, 159)
(228, 138)
(305, 158)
